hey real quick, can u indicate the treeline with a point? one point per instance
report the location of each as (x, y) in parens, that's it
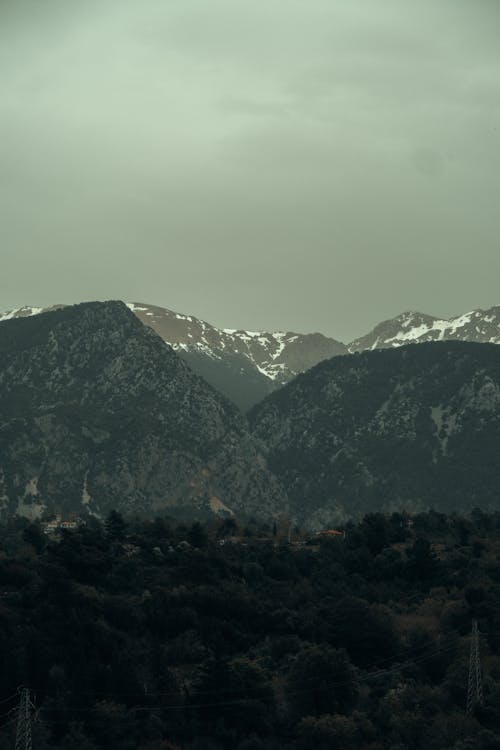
(155, 636)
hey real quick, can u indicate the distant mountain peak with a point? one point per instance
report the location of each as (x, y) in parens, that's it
(480, 326)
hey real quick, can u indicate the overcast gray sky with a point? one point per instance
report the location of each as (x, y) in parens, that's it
(308, 165)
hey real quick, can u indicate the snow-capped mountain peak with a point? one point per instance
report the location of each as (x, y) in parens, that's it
(278, 355)
(481, 326)
(246, 365)
(20, 312)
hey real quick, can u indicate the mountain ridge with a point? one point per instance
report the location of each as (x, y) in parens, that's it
(246, 366)
(412, 428)
(97, 413)
(243, 365)
(478, 326)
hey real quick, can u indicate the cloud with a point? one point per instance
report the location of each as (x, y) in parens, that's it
(309, 165)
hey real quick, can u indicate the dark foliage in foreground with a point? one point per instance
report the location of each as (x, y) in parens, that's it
(138, 635)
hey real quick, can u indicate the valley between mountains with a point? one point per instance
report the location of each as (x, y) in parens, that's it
(246, 366)
(98, 413)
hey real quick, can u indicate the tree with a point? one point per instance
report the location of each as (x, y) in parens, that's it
(197, 536)
(115, 527)
(365, 631)
(335, 731)
(34, 535)
(422, 564)
(76, 739)
(321, 681)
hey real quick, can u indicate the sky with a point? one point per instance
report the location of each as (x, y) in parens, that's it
(312, 165)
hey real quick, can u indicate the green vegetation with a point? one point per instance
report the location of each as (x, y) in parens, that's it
(409, 428)
(143, 635)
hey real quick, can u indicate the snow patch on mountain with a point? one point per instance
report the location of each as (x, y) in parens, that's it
(280, 355)
(273, 354)
(481, 326)
(20, 312)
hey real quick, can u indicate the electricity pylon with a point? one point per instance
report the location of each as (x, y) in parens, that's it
(23, 733)
(475, 686)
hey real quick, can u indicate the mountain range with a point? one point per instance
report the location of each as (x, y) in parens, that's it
(97, 413)
(246, 366)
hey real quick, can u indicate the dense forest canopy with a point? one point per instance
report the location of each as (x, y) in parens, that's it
(134, 634)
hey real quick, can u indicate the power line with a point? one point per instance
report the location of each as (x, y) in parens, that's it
(8, 723)
(245, 699)
(25, 707)
(9, 698)
(426, 652)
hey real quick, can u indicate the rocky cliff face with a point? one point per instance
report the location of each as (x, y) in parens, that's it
(97, 413)
(414, 427)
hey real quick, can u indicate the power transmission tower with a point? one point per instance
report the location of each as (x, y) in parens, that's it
(475, 686)
(23, 733)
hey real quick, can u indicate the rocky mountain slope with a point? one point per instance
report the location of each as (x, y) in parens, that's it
(97, 413)
(245, 366)
(481, 326)
(412, 427)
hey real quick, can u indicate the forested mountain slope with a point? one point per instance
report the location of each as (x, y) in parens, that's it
(413, 427)
(245, 366)
(97, 413)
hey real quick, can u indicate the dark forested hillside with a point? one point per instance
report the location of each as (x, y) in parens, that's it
(245, 366)
(143, 636)
(416, 427)
(97, 412)
(231, 374)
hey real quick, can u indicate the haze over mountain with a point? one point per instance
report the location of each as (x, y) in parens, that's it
(407, 428)
(97, 413)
